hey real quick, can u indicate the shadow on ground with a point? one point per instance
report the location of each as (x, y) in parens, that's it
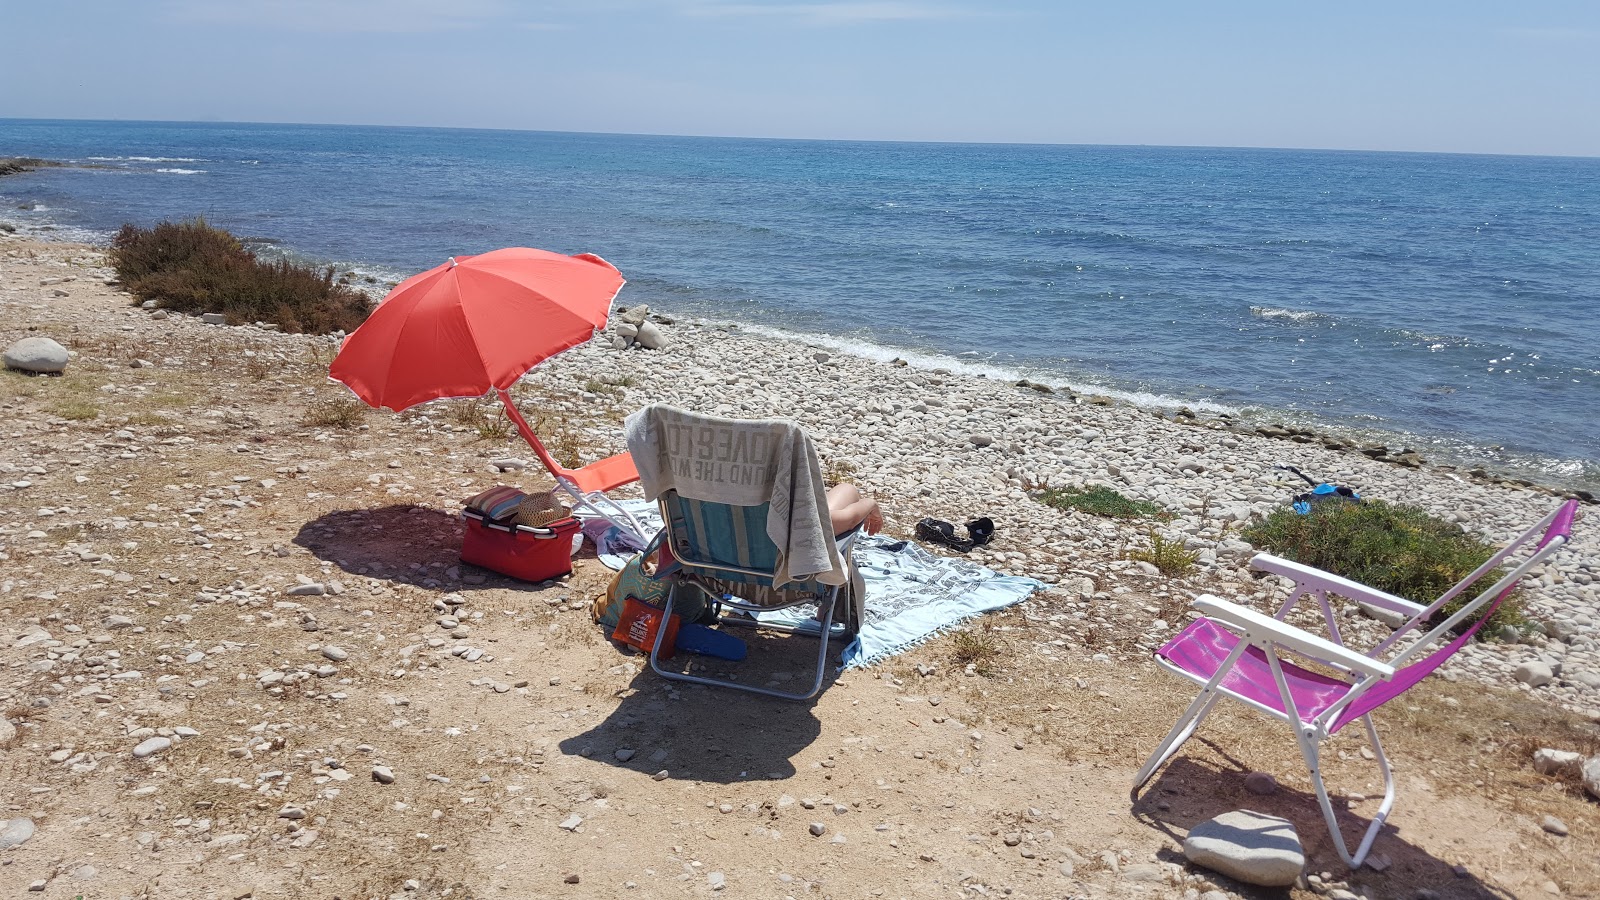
(405, 544)
(711, 734)
(1188, 791)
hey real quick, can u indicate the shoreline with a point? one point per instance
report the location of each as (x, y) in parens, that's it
(1385, 445)
(1567, 467)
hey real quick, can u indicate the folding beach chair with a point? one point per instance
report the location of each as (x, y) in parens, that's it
(586, 485)
(1232, 651)
(727, 552)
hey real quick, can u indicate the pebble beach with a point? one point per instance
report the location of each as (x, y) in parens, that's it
(243, 659)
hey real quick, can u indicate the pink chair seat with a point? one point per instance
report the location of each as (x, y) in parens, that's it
(1201, 649)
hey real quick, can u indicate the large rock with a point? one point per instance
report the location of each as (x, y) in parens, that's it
(37, 354)
(1591, 776)
(1248, 846)
(1547, 761)
(634, 316)
(651, 337)
(1535, 673)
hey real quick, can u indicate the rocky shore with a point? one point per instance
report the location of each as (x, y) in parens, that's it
(243, 659)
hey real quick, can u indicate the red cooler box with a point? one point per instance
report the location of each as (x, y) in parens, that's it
(530, 554)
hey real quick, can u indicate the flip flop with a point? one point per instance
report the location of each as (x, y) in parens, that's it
(937, 531)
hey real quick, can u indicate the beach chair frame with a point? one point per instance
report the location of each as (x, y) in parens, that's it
(693, 565)
(1314, 706)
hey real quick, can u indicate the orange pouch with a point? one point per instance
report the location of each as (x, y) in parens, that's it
(638, 624)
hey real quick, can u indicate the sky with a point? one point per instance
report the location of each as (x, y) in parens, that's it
(1424, 75)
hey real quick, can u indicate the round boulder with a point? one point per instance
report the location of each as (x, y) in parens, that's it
(37, 354)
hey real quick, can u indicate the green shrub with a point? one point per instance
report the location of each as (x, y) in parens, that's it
(1398, 549)
(1100, 501)
(1168, 556)
(194, 268)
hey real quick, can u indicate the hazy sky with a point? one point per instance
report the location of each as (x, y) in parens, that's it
(1462, 75)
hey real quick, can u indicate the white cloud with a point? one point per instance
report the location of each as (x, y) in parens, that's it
(832, 13)
(391, 16)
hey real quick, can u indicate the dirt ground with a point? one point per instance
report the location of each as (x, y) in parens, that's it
(161, 499)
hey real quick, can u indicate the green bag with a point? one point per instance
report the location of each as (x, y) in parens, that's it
(634, 580)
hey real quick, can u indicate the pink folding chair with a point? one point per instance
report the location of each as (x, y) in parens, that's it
(1232, 651)
(586, 485)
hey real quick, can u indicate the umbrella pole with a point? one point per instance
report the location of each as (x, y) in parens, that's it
(564, 480)
(523, 429)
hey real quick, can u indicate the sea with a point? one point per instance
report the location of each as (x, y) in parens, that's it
(1445, 303)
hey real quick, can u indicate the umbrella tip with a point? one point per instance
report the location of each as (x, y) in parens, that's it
(452, 262)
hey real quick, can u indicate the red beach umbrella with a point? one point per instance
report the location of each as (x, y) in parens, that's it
(475, 324)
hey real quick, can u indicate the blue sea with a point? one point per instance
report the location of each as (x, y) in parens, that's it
(1448, 303)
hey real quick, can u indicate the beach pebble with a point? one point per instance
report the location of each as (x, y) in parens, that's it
(151, 746)
(1554, 826)
(337, 654)
(213, 319)
(1260, 783)
(383, 774)
(15, 833)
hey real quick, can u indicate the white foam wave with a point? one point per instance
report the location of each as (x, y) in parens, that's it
(187, 159)
(183, 171)
(1293, 315)
(870, 350)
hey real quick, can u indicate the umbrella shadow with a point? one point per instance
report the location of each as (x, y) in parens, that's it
(401, 543)
(1188, 791)
(709, 734)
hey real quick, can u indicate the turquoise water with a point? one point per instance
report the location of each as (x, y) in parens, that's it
(1446, 302)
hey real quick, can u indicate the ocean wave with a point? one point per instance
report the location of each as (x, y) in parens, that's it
(186, 159)
(870, 350)
(1293, 315)
(182, 171)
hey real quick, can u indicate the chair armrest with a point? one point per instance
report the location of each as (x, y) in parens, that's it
(1295, 639)
(1327, 581)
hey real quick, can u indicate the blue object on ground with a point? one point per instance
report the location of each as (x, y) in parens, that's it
(710, 642)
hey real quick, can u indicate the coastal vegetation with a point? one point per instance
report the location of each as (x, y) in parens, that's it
(1170, 556)
(195, 268)
(1399, 549)
(1100, 501)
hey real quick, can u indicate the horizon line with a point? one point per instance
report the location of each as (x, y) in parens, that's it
(832, 140)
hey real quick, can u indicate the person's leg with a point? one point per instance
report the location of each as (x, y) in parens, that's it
(847, 509)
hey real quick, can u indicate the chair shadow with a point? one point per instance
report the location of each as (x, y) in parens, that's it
(400, 543)
(1193, 792)
(710, 734)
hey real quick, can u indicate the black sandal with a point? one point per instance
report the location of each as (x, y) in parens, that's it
(980, 531)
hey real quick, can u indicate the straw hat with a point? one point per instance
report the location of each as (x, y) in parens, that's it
(540, 509)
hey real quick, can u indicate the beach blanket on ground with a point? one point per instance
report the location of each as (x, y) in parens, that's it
(913, 595)
(743, 462)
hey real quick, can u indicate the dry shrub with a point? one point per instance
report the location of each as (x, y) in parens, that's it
(192, 267)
